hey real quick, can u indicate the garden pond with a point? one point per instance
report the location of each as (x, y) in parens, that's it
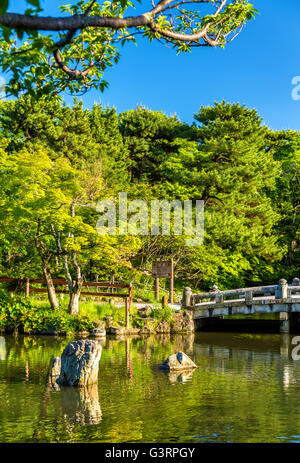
(246, 389)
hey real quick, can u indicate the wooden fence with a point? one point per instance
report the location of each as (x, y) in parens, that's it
(28, 282)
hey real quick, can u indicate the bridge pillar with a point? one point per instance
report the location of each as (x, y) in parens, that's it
(216, 298)
(187, 297)
(282, 290)
(284, 323)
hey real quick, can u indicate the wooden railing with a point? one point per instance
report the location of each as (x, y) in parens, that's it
(27, 283)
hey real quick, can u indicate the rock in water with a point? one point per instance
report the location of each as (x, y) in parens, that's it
(178, 361)
(79, 363)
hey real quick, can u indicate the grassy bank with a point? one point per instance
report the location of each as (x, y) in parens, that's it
(33, 315)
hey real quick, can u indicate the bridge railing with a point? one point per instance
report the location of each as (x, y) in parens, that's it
(281, 291)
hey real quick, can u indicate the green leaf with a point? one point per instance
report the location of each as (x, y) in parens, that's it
(6, 33)
(3, 6)
(20, 33)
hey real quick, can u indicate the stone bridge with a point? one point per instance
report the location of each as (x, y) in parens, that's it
(283, 298)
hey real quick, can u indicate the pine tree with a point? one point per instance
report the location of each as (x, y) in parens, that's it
(150, 137)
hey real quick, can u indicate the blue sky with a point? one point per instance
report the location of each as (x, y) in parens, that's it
(256, 69)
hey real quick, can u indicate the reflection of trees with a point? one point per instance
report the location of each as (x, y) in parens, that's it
(81, 405)
(163, 339)
(43, 405)
(184, 343)
(242, 382)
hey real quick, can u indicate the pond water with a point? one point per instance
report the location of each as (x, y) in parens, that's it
(246, 389)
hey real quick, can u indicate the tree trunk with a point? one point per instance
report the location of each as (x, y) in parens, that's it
(74, 287)
(45, 258)
(74, 298)
(50, 288)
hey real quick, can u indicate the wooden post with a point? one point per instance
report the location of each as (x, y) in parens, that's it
(172, 282)
(27, 288)
(112, 280)
(130, 295)
(157, 288)
(164, 301)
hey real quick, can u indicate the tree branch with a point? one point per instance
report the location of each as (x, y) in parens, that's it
(81, 21)
(220, 26)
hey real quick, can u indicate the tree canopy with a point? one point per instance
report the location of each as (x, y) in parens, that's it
(57, 161)
(47, 55)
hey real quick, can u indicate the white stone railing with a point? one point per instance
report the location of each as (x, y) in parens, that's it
(281, 291)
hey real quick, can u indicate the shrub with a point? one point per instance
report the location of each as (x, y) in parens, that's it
(16, 315)
(162, 314)
(82, 322)
(138, 322)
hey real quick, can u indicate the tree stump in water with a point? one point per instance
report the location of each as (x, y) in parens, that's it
(79, 363)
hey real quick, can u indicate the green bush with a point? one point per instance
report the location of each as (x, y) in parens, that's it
(13, 314)
(138, 322)
(22, 317)
(82, 322)
(162, 314)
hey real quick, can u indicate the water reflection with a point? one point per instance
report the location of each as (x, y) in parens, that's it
(246, 389)
(180, 376)
(284, 345)
(81, 405)
(129, 364)
(287, 376)
(55, 366)
(184, 342)
(2, 348)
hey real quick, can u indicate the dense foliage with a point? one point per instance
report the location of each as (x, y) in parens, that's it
(57, 162)
(17, 316)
